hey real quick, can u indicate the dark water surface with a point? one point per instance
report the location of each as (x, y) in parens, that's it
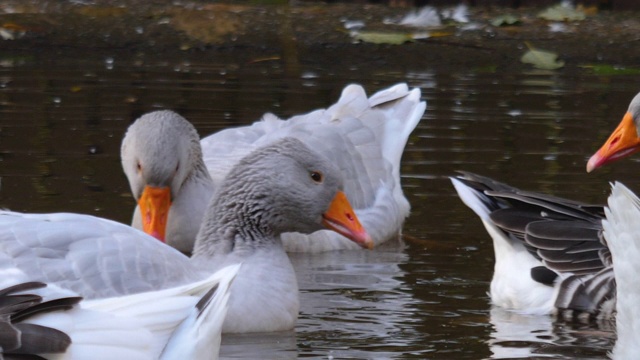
(62, 120)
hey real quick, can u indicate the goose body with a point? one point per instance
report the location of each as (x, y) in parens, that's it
(282, 187)
(550, 255)
(57, 324)
(622, 230)
(364, 137)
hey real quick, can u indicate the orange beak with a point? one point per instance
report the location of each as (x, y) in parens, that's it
(623, 142)
(154, 206)
(342, 219)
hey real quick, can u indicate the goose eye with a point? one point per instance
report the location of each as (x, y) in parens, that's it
(316, 176)
(177, 167)
(139, 167)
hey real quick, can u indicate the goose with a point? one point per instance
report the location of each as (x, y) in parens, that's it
(172, 173)
(550, 255)
(284, 186)
(53, 323)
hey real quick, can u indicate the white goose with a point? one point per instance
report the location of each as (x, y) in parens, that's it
(282, 187)
(56, 324)
(163, 160)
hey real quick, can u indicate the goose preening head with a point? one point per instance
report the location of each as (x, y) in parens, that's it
(162, 159)
(623, 141)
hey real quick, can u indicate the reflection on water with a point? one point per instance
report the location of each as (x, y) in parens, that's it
(524, 336)
(61, 122)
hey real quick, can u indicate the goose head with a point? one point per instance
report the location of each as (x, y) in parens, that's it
(161, 156)
(624, 141)
(283, 187)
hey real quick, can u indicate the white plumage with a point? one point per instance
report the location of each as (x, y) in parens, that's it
(134, 326)
(622, 231)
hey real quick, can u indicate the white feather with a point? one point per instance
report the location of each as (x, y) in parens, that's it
(622, 231)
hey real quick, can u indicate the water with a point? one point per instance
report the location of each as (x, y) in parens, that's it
(62, 120)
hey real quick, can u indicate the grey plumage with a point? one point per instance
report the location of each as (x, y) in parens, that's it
(282, 187)
(274, 186)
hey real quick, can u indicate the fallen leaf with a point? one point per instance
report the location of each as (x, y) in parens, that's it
(207, 26)
(541, 59)
(505, 20)
(374, 37)
(562, 12)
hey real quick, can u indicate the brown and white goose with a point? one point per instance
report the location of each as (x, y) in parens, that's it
(281, 187)
(162, 157)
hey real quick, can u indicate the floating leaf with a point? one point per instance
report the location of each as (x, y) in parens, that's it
(505, 20)
(562, 12)
(541, 59)
(374, 37)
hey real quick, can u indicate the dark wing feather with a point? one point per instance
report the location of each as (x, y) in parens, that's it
(20, 340)
(568, 246)
(48, 306)
(587, 294)
(206, 299)
(36, 339)
(565, 235)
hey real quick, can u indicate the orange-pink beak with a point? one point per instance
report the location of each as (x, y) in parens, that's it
(154, 204)
(341, 218)
(623, 142)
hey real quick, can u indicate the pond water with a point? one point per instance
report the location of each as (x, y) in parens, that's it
(62, 120)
